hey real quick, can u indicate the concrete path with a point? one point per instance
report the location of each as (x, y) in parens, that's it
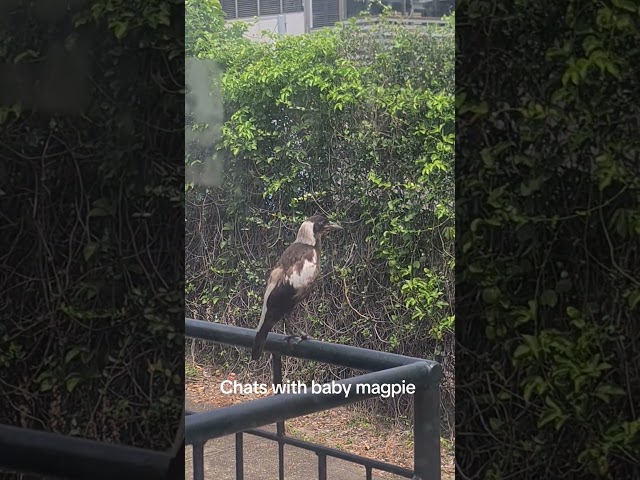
(261, 459)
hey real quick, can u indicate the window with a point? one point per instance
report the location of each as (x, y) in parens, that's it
(326, 13)
(253, 8)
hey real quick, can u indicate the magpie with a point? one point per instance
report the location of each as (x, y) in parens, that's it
(292, 279)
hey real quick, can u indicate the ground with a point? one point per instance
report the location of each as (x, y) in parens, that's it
(342, 428)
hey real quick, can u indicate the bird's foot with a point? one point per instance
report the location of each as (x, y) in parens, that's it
(291, 338)
(298, 337)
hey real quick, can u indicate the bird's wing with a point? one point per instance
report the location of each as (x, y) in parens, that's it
(275, 278)
(278, 301)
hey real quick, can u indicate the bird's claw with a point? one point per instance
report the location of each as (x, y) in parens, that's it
(297, 338)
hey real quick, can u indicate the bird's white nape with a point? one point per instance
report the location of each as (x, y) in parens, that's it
(305, 234)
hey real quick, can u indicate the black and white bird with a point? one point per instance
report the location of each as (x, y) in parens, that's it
(292, 279)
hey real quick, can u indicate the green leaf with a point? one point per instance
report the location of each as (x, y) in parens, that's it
(71, 383)
(530, 186)
(481, 109)
(550, 402)
(119, 29)
(575, 76)
(460, 98)
(530, 386)
(549, 298)
(533, 343)
(46, 385)
(613, 69)
(89, 250)
(504, 396)
(547, 417)
(490, 295)
(521, 351)
(604, 392)
(26, 53)
(627, 5)
(475, 268)
(495, 424)
(633, 299)
(71, 354)
(552, 414)
(573, 313)
(98, 212)
(487, 157)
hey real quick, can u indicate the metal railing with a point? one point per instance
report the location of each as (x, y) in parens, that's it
(384, 368)
(48, 454)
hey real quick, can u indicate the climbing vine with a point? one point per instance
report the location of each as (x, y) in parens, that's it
(91, 317)
(547, 260)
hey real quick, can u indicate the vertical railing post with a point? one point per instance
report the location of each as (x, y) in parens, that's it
(198, 461)
(239, 457)
(277, 380)
(280, 460)
(277, 368)
(322, 466)
(426, 431)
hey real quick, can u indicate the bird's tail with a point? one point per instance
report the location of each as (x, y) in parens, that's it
(258, 343)
(261, 337)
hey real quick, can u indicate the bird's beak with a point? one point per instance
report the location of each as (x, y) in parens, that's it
(331, 226)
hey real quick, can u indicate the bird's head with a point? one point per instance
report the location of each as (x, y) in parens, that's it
(315, 228)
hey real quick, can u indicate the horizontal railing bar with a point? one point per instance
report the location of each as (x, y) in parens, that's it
(264, 411)
(323, 352)
(332, 452)
(52, 454)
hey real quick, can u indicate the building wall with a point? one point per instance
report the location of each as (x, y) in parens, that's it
(323, 13)
(293, 25)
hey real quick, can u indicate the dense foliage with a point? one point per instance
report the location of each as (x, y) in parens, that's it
(359, 125)
(548, 253)
(92, 297)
